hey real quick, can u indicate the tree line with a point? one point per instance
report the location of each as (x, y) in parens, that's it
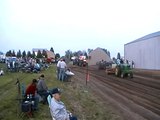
(25, 54)
(69, 53)
(30, 54)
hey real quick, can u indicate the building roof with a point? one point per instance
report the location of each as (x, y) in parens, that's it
(152, 35)
(37, 49)
(50, 54)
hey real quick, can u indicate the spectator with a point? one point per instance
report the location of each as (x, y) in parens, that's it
(32, 91)
(62, 66)
(58, 108)
(58, 68)
(1, 72)
(37, 67)
(68, 75)
(42, 88)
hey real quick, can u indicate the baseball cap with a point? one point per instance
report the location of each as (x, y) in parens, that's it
(42, 76)
(56, 90)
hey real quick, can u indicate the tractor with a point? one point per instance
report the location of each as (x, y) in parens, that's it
(102, 65)
(81, 61)
(123, 70)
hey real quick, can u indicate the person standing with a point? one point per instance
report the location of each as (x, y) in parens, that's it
(58, 68)
(63, 67)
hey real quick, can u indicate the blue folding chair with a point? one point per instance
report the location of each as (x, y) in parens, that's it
(49, 103)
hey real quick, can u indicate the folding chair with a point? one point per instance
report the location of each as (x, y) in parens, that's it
(49, 103)
(23, 90)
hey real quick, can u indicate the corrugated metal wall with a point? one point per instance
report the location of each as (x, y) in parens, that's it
(145, 54)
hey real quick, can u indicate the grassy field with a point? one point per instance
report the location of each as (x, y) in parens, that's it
(81, 103)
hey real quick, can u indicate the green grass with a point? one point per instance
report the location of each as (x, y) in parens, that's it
(78, 99)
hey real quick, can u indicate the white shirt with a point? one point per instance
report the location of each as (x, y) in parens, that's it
(58, 64)
(1, 72)
(62, 65)
(69, 73)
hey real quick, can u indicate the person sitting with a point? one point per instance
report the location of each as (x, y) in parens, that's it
(42, 88)
(31, 92)
(1, 72)
(37, 67)
(68, 75)
(58, 108)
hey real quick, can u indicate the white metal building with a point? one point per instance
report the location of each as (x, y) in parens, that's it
(144, 52)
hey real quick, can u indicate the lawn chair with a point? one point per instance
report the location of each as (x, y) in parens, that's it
(23, 90)
(49, 103)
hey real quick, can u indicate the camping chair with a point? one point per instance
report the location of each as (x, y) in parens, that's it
(23, 90)
(49, 103)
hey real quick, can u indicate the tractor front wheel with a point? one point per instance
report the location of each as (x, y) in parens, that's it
(131, 75)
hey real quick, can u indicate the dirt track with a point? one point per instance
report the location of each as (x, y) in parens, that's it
(131, 99)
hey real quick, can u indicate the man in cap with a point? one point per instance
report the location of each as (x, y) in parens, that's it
(58, 108)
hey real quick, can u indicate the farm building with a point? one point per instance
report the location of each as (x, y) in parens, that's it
(144, 52)
(97, 55)
(49, 53)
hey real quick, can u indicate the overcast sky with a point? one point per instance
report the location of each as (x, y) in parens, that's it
(76, 24)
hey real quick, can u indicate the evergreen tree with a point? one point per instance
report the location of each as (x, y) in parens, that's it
(85, 54)
(24, 54)
(68, 54)
(44, 53)
(19, 55)
(39, 54)
(80, 53)
(105, 50)
(13, 54)
(33, 55)
(57, 56)
(114, 59)
(29, 54)
(52, 49)
(89, 50)
(75, 54)
(118, 56)
(9, 53)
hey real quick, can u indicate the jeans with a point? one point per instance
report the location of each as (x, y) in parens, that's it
(44, 95)
(36, 100)
(62, 74)
(58, 71)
